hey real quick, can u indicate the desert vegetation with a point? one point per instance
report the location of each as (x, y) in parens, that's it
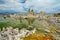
(44, 29)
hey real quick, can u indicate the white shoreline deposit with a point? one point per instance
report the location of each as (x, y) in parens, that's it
(15, 34)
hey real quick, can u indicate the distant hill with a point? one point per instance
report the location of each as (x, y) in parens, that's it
(8, 12)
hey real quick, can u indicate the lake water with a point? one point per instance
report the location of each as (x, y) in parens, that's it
(1, 16)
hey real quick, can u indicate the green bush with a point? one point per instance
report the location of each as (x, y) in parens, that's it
(14, 23)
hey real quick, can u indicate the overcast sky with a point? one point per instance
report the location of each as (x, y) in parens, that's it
(49, 6)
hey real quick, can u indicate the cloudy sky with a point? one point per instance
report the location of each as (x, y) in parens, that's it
(48, 6)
